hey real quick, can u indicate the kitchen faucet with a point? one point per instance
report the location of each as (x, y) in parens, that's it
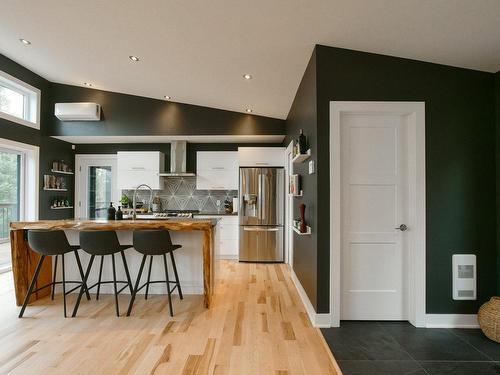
(134, 212)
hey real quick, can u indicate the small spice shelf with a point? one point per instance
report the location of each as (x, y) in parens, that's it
(49, 189)
(307, 232)
(300, 158)
(62, 208)
(61, 172)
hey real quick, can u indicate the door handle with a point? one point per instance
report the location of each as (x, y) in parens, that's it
(402, 228)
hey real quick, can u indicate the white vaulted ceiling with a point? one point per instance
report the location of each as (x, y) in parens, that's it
(197, 50)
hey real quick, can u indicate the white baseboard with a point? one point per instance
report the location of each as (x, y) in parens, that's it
(451, 321)
(317, 320)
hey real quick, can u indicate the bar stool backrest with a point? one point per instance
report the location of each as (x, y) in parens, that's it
(48, 242)
(152, 242)
(99, 242)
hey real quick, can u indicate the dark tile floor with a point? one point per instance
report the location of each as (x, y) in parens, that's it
(393, 348)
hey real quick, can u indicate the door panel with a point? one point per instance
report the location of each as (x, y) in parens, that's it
(271, 245)
(272, 196)
(250, 241)
(374, 191)
(262, 244)
(250, 184)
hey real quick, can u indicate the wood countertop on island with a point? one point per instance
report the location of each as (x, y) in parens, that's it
(24, 259)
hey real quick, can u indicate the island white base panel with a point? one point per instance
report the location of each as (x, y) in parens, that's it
(188, 259)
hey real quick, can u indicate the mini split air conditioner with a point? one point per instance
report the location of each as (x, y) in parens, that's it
(78, 111)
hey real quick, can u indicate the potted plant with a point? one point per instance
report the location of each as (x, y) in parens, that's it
(125, 201)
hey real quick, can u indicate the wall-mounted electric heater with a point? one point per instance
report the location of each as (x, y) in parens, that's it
(464, 276)
(78, 111)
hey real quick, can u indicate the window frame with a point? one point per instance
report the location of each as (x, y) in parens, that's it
(32, 101)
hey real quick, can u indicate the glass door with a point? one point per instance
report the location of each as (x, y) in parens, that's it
(95, 185)
(10, 200)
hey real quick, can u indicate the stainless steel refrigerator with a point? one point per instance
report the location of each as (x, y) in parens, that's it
(261, 214)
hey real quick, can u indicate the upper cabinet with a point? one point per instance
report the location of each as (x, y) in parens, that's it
(217, 170)
(140, 167)
(261, 156)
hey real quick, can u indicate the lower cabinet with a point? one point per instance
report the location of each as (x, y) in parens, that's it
(226, 237)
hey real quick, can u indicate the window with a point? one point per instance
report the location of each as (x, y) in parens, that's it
(19, 102)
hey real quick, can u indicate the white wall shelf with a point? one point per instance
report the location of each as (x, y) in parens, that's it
(300, 158)
(61, 172)
(61, 208)
(307, 232)
(297, 195)
(49, 189)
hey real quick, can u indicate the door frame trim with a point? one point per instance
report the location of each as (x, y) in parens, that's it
(417, 201)
(288, 207)
(78, 174)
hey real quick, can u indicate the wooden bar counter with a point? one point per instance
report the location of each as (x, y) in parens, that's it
(24, 260)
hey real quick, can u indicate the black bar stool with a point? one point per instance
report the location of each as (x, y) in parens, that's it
(50, 243)
(102, 243)
(151, 243)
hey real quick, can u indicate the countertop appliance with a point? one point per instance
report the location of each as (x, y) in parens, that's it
(261, 214)
(165, 215)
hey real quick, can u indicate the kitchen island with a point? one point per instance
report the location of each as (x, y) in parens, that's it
(196, 236)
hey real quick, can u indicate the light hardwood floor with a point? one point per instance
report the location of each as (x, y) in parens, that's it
(257, 325)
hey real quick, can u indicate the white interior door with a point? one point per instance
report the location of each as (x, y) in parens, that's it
(374, 197)
(95, 185)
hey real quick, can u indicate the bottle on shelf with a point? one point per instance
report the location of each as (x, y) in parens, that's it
(302, 142)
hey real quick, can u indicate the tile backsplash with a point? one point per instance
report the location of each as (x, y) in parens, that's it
(179, 193)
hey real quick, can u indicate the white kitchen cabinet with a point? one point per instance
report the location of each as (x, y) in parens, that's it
(226, 236)
(261, 156)
(217, 170)
(140, 167)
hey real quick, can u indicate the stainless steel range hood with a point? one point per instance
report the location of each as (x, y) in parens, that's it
(178, 161)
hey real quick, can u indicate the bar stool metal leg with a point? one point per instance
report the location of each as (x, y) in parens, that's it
(114, 285)
(99, 279)
(54, 279)
(32, 285)
(149, 276)
(138, 281)
(175, 274)
(82, 289)
(168, 286)
(80, 269)
(127, 273)
(64, 284)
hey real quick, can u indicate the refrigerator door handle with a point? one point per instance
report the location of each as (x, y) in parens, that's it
(260, 229)
(263, 197)
(259, 202)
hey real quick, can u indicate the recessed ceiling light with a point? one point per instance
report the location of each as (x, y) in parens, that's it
(133, 58)
(249, 110)
(167, 97)
(87, 84)
(247, 76)
(24, 41)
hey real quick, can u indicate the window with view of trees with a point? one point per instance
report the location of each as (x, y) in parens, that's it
(19, 102)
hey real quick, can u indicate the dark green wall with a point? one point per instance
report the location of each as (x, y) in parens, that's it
(460, 160)
(50, 149)
(303, 115)
(124, 114)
